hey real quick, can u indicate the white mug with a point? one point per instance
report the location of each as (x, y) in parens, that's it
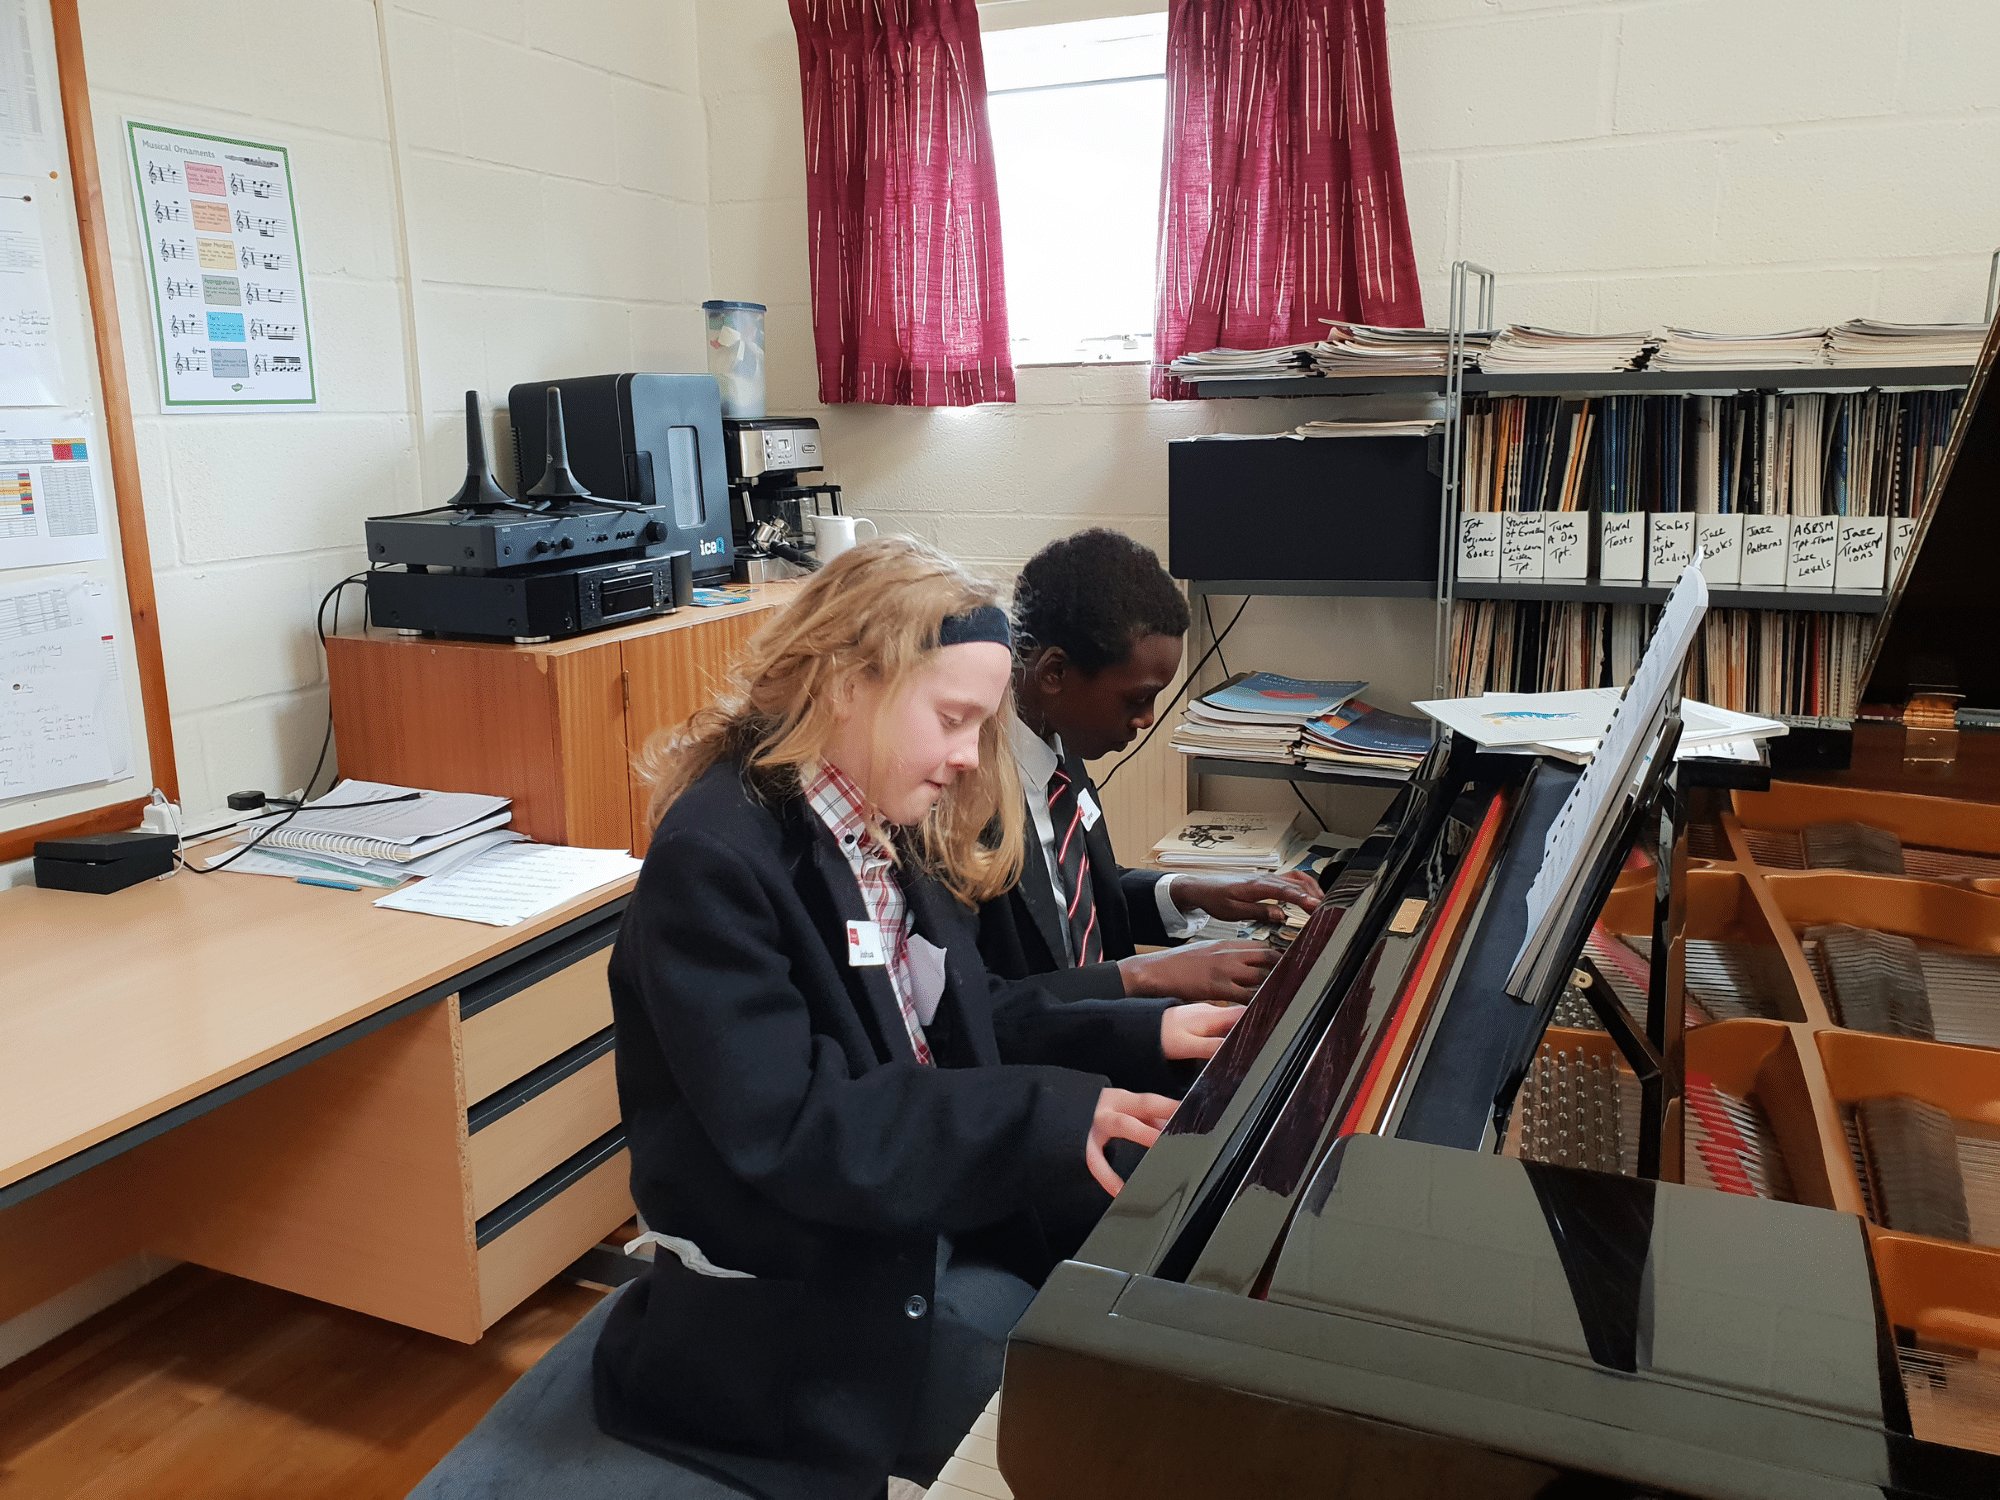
(837, 533)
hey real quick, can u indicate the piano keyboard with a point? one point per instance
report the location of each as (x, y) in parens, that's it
(973, 1472)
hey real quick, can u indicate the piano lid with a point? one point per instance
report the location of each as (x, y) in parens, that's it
(1939, 630)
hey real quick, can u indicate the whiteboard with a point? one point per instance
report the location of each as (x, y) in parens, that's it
(35, 164)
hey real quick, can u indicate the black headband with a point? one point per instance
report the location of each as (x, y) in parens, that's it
(986, 623)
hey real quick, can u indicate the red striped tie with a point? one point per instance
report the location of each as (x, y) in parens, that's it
(1073, 861)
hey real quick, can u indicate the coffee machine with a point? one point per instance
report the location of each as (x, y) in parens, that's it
(772, 512)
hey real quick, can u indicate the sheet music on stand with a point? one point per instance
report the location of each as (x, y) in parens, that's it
(1607, 782)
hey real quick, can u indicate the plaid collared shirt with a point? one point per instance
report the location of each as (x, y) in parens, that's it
(839, 804)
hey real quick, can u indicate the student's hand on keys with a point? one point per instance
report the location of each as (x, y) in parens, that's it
(1123, 1116)
(1191, 1033)
(1225, 972)
(1246, 900)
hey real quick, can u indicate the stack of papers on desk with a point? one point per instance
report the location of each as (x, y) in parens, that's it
(1869, 341)
(371, 820)
(1257, 716)
(511, 884)
(292, 864)
(1525, 350)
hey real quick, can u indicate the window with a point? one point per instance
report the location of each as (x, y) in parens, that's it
(1078, 116)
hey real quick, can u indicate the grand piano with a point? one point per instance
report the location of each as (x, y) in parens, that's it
(1706, 1203)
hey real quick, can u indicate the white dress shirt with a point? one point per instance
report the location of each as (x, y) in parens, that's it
(1038, 760)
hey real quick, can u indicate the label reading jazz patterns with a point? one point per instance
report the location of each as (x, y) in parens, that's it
(222, 252)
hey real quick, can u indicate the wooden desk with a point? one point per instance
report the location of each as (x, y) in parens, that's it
(405, 1115)
(552, 726)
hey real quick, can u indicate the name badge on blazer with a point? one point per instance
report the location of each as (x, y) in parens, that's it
(864, 945)
(1087, 805)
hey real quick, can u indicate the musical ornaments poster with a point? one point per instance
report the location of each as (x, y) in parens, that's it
(221, 231)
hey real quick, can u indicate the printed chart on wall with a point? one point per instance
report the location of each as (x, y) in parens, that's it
(221, 229)
(62, 703)
(50, 509)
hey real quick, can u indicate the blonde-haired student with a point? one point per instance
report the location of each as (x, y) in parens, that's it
(840, 1124)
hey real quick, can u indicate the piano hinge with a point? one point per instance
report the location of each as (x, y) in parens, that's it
(1409, 916)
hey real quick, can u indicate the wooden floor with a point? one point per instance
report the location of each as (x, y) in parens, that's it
(205, 1387)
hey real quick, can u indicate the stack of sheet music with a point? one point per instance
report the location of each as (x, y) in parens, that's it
(1362, 349)
(1422, 427)
(1691, 349)
(1869, 341)
(1569, 725)
(1245, 364)
(1236, 842)
(1524, 350)
(1257, 716)
(1368, 741)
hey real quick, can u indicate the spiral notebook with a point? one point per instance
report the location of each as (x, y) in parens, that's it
(371, 820)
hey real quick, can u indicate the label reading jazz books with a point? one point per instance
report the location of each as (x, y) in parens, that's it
(1720, 541)
(1565, 545)
(1669, 545)
(1479, 544)
(1765, 539)
(1621, 545)
(221, 230)
(1522, 534)
(1815, 540)
(1861, 551)
(1902, 531)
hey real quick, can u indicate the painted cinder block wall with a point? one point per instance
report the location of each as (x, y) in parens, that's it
(490, 191)
(499, 190)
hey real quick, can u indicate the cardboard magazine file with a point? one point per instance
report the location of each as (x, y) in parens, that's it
(1766, 542)
(1815, 540)
(1479, 544)
(1719, 539)
(1621, 546)
(1566, 545)
(1861, 552)
(1669, 545)
(1522, 537)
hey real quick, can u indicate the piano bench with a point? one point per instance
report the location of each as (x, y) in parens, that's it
(541, 1442)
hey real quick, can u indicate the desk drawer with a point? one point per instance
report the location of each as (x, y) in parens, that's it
(530, 1238)
(557, 1118)
(516, 1035)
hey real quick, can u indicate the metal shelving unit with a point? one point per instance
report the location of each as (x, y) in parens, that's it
(1265, 770)
(1720, 596)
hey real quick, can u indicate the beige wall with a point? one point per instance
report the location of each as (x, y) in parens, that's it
(489, 192)
(499, 190)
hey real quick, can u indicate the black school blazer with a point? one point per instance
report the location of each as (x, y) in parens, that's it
(1020, 933)
(778, 1120)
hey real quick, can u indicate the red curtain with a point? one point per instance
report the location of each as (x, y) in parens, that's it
(909, 300)
(1281, 202)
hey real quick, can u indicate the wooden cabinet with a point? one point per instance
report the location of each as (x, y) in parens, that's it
(553, 726)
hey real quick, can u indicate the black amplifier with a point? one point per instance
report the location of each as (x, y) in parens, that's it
(530, 604)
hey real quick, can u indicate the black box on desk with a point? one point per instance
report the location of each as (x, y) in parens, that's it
(101, 863)
(1348, 509)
